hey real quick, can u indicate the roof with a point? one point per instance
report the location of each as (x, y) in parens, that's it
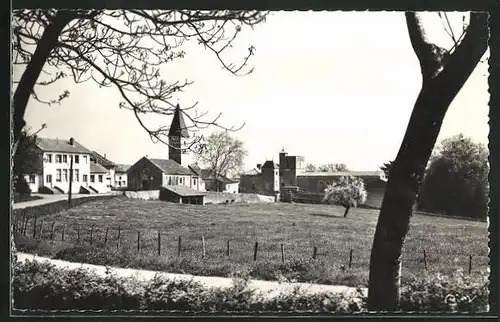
(97, 168)
(171, 167)
(178, 126)
(60, 145)
(195, 168)
(102, 160)
(183, 191)
(270, 165)
(122, 167)
(251, 172)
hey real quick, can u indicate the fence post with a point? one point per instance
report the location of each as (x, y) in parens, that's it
(25, 228)
(138, 241)
(425, 260)
(203, 254)
(315, 252)
(40, 235)
(470, 264)
(179, 247)
(52, 230)
(34, 226)
(350, 259)
(118, 239)
(228, 249)
(63, 231)
(91, 234)
(106, 237)
(256, 247)
(282, 253)
(159, 243)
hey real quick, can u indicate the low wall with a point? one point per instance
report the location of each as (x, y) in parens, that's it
(143, 195)
(222, 197)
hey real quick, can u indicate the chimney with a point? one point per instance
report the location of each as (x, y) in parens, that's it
(104, 155)
(259, 166)
(72, 141)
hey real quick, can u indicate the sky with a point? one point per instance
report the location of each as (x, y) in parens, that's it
(329, 86)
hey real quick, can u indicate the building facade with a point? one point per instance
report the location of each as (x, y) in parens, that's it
(57, 157)
(264, 180)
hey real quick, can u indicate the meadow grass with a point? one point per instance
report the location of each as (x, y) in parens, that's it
(299, 227)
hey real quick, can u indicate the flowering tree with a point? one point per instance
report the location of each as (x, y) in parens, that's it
(348, 191)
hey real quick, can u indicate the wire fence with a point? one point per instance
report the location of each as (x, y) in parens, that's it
(159, 243)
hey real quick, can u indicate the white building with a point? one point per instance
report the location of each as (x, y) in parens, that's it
(121, 181)
(57, 156)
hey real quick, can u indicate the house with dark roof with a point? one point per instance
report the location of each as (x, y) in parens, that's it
(263, 180)
(58, 156)
(110, 166)
(218, 182)
(152, 174)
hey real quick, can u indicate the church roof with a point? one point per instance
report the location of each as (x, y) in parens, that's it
(178, 126)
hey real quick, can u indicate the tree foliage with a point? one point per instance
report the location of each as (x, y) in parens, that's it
(329, 167)
(28, 158)
(221, 154)
(348, 192)
(456, 182)
(124, 49)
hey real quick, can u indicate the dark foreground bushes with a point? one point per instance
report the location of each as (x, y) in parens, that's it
(43, 286)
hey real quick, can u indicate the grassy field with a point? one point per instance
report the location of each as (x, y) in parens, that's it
(299, 227)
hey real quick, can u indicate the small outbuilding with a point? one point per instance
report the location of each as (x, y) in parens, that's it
(182, 194)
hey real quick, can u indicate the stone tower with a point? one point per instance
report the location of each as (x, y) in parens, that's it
(177, 132)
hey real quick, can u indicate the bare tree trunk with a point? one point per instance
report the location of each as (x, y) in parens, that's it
(47, 43)
(442, 80)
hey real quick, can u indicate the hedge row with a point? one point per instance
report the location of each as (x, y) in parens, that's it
(54, 207)
(42, 286)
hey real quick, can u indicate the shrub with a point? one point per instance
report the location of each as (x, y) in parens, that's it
(43, 286)
(21, 186)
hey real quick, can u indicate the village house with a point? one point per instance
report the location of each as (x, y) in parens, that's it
(55, 171)
(217, 183)
(109, 166)
(121, 176)
(263, 180)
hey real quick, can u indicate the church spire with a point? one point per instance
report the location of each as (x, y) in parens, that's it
(178, 126)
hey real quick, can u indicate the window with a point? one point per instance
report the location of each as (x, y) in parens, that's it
(32, 178)
(84, 178)
(49, 158)
(58, 158)
(65, 158)
(170, 180)
(92, 178)
(65, 174)
(176, 180)
(85, 159)
(100, 178)
(48, 178)
(180, 180)
(77, 175)
(58, 175)
(120, 177)
(194, 182)
(77, 159)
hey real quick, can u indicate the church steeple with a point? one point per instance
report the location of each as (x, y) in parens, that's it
(177, 131)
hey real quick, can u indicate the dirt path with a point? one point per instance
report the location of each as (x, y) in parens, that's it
(269, 288)
(54, 198)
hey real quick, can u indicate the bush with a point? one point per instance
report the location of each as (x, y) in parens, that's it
(22, 187)
(43, 286)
